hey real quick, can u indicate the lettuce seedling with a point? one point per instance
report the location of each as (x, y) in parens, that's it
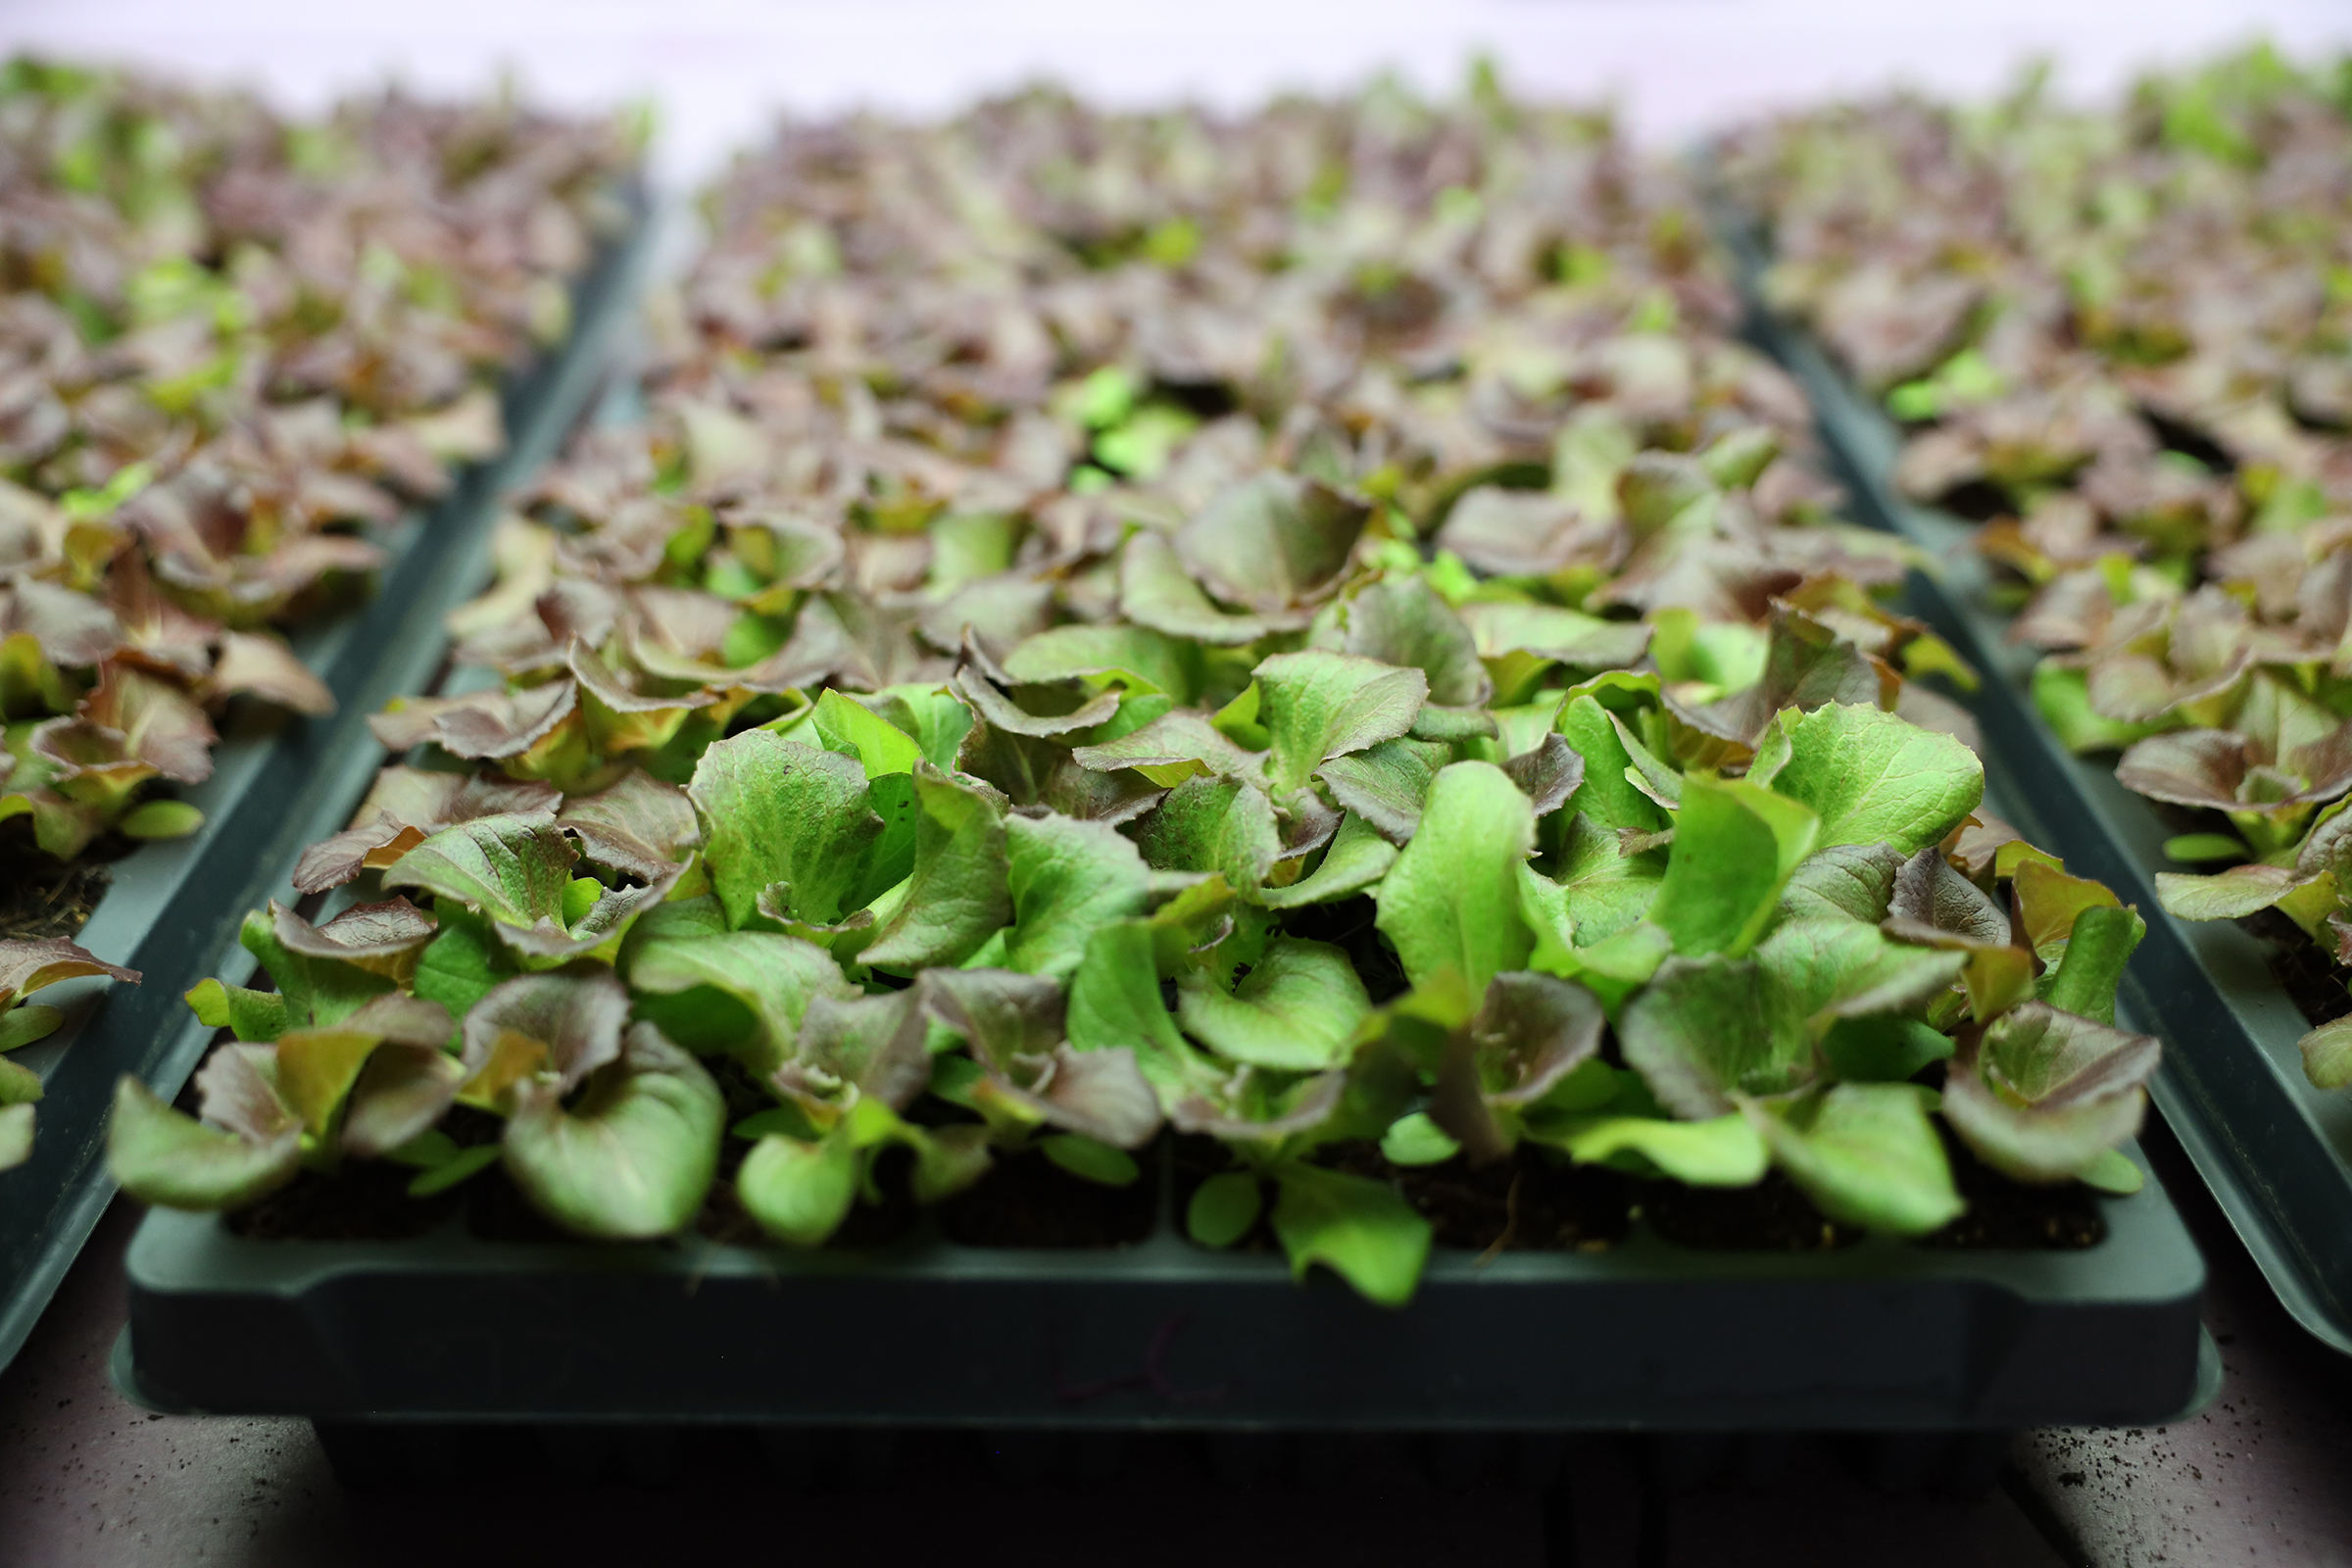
(2159, 524)
(27, 966)
(1459, 736)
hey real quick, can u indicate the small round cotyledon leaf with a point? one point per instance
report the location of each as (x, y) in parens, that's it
(160, 819)
(1093, 1162)
(1416, 1140)
(1224, 1208)
(23, 1025)
(2327, 1054)
(16, 1135)
(798, 1190)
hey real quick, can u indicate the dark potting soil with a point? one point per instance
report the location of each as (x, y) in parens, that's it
(1524, 1202)
(1772, 1216)
(42, 895)
(497, 1211)
(1027, 1200)
(2308, 970)
(877, 1224)
(2012, 1215)
(365, 1201)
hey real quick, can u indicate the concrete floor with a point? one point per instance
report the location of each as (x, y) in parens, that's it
(89, 1481)
(2263, 1477)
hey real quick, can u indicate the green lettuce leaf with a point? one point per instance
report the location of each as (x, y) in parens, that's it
(1356, 859)
(515, 868)
(1722, 1152)
(1067, 879)
(173, 1161)
(1298, 1008)
(1450, 903)
(1872, 778)
(633, 1159)
(1403, 622)
(1316, 706)
(1865, 1154)
(1213, 825)
(1736, 845)
(1358, 1228)
(958, 893)
(774, 977)
(773, 811)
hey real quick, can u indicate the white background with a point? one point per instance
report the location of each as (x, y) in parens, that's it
(720, 69)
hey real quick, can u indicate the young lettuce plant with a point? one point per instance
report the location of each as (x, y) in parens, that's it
(2307, 882)
(494, 999)
(26, 967)
(203, 436)
(1804, 950)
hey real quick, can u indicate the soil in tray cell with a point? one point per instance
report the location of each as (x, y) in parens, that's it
(1772, 1216)
(366, 1201)
(2006, 1214)
(1028, 1200)
(41, 895)
(497, 1211)
(1523, 1201)
(2305, 968)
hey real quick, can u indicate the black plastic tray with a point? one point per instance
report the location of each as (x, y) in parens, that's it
(2277, 1151)
(1882, 1336)
(279, 783)
(403, 1352)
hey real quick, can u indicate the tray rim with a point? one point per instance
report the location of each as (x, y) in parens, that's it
(191, 1258)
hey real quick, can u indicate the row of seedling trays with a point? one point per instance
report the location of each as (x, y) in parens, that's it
(2150, 595)
(278, 374)
(1186, 773)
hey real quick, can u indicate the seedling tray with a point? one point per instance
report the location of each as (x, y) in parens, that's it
(2277, 1151)
(923, 1332)
(279, 783)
